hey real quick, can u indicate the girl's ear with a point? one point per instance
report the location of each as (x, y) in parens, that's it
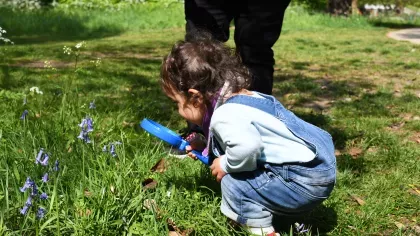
(197, 98)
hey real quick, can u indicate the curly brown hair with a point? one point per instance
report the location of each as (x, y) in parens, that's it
(203, 64)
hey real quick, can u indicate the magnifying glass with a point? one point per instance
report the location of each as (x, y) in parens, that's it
(171, 137)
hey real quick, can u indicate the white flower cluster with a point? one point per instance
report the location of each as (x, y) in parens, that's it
(35, 90)
(96, 62)
(22, 4)
(67, 50)
(80, 45)
(6, 40)
(48, 65)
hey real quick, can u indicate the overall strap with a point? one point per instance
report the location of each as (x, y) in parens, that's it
(266, 105)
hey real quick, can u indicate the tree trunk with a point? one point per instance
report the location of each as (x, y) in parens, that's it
(354, 8)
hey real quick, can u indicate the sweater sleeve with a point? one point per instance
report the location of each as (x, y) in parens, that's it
(240, 137)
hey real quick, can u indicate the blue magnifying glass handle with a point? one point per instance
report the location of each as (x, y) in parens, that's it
(204, 159)
(171, 137)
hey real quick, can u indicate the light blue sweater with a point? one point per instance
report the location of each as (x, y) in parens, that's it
(249, 135)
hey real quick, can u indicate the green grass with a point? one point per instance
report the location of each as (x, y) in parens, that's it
(341, 74)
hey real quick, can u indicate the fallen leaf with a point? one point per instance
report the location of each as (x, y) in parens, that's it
(149, 184)
(160, 166)
(355, 152)
(69, 149)
(372, 150)
(174, 228)
(173, 233)
(358, 199)
(86, 212)
(351, 227)
(129, 124)
(414, 189)
(37, 115)
(337, 152)
(150, 204)
(416, 229)
(399, 225)
(87, 193)
(396, 126)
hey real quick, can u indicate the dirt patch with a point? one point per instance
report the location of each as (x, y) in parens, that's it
(122, 55)
(41, 64)
(411, 35)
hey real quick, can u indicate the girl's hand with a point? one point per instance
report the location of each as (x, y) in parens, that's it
(188, 149)
(216, 170)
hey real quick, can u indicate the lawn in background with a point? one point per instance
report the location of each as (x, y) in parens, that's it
(341, 74)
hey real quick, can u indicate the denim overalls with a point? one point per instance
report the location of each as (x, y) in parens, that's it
(251, 198)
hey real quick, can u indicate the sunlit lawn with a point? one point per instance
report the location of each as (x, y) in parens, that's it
(341, 74)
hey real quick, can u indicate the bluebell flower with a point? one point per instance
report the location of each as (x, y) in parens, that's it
(89, 122)
(44, 162)
(43, 196)
(39, 156)
(23, 116)
(300, 228)
(45, 178)
(34, 189)
(82, 124)
(28, 201)
(112, 150)
(92, 105)
(104, 148)
(28, 184)
(84, 136)
(56, 168)
(41, 213)
(24, 210)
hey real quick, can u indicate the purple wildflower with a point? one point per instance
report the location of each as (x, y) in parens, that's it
(24, 114)
(56, 168)
(28, 201)
(300, 228)
(45, 178)
(39, 156)
(41, 213)
(112, 151)
(82, 124)
(89, 122)
(28, 184)
(84, 136)
(43, 196)
(24, 210)
(44, 162)
(34, 189)
(92, 105)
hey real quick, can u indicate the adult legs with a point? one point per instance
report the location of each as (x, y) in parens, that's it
(211, 16)
(257, 27)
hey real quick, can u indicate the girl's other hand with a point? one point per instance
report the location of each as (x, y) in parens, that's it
(216, 170)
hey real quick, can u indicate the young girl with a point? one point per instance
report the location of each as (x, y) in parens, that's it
(268, 160)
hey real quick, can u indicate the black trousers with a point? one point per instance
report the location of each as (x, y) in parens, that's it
(257, 27)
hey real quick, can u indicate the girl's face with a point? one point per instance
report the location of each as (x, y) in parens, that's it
(193, 113)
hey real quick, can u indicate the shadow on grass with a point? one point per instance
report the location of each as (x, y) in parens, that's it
(319, 221)
(394, 25)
